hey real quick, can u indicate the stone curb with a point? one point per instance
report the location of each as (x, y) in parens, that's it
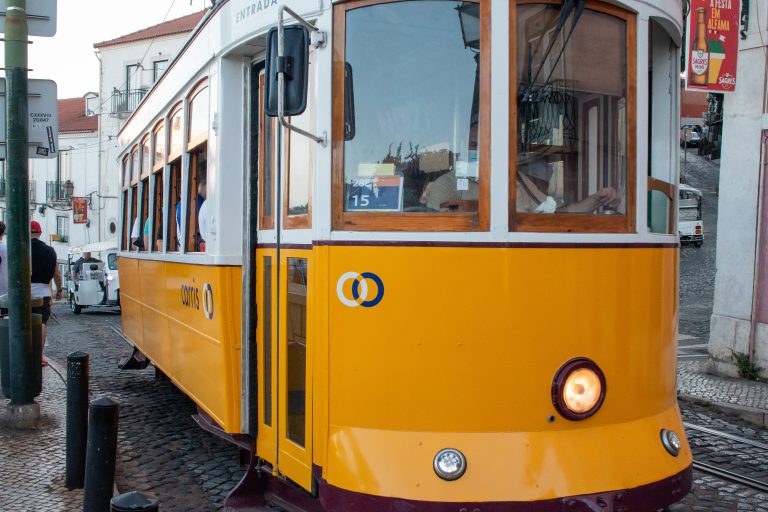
(752, 415)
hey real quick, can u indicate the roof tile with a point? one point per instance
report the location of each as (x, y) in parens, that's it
(72, 117)
(167, 28)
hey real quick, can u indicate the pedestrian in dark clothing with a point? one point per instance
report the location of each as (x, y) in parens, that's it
(44, 268)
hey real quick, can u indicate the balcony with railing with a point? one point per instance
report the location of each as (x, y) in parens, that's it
(124, 102)
(4, 190)
(59, 192)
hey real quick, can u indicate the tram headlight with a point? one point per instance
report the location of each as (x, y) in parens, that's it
(578, 389)
(671, 442)
(450, 464)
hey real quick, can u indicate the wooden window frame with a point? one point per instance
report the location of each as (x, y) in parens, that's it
(145, 143)
(192, 210)
(134, 214)
(157, 135)
(137, 159)
(569, 222)
(126, 167)
(126, 234)
(409, 221)
(144, 209)
(157, 206)
(170, 157)
(174, 190)
(191, 143)
(266, 221)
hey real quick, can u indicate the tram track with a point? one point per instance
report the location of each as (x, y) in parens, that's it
(722, 473)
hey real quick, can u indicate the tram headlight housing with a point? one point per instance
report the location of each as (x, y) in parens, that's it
(450, 464)
(578, 389)
(671, 442)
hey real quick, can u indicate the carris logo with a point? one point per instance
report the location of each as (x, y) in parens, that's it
(362, 294)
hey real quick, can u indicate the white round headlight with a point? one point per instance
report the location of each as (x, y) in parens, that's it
(671, 442)
(450, 464)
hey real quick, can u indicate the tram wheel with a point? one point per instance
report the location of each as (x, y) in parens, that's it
(76, 308)
(697, 244)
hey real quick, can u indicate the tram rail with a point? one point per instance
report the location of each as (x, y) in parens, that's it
(722, 473)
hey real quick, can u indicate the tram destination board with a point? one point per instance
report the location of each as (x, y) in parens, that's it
(42, 121)
(41, 17)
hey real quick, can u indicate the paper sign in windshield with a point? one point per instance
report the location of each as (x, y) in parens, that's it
(375, 193)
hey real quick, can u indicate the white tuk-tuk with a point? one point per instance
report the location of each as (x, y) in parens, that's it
(690, 225)
(95, 284)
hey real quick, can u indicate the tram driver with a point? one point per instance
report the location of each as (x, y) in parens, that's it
(533, 191)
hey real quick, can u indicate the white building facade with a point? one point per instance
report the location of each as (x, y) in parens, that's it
(739, 323)
(73, 172)
(129, 66)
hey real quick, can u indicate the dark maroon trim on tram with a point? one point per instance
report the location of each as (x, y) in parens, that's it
(646, 498)
(259, 487)
(476, 245)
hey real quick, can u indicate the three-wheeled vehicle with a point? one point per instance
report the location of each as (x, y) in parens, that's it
(95, 284)
(690, 225)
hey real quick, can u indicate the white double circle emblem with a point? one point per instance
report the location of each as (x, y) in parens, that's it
(360, 293)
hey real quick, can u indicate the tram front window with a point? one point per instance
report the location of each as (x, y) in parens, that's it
(415, 76)
(572, 111)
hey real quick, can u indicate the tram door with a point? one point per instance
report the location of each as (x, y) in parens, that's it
(284, 436)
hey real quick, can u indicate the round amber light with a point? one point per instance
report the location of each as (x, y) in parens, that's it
(578, 389)
(582, 390)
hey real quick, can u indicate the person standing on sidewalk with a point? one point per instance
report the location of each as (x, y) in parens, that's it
(44, 268)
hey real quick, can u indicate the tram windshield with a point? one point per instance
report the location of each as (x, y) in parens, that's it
(416, 73)
(572, 105)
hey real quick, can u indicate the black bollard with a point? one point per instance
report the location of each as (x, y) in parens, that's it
(134, 501)
(77, 418)
(5, 357)
(37, 354)
(101, 454)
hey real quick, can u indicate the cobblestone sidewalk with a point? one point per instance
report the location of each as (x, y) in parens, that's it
(747, 399)
(32, 462)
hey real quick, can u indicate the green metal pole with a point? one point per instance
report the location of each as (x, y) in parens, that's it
(19, 269)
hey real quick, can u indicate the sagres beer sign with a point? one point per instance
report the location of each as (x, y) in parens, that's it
(713, 45)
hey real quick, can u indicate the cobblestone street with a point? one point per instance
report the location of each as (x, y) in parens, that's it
(160, 449)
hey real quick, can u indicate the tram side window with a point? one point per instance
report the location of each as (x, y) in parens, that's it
(573, 105)
(133, 226)
(663, 67)
(158, 164)
(198, 167)
(175, 140)
(174, 231)
(156, 231)
(299, 162)
(144, 223)
(266, 145)
(126, 182)
(412, 123)
(135, 231)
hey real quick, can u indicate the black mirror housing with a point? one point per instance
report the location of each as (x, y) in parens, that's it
(295, 68)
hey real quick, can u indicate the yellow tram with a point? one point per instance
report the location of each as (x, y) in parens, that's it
(446, 277)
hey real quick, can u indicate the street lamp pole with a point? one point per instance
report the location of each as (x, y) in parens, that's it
(23, 411)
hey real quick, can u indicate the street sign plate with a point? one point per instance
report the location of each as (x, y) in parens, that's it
(41, 17)
(42, 121)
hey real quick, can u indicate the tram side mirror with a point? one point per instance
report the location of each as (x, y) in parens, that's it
(295, 68)
(349, 103)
